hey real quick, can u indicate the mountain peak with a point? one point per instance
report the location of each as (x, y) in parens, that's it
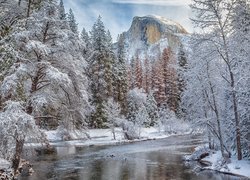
(167, 25)
(149, 35)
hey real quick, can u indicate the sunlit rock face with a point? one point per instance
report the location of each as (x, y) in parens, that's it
(149, 35)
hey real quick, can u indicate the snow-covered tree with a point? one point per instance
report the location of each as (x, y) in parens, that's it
(16, 127)
(159, 87)
(62, 13)
(136, 106)
(147, 76)
(168, 63)
(240, 49)
(120, 76)
(138, 73)
(181, 69)
(101, 69)
(214, 17)
(48, 64)
(113, 112)
(86, 40)
(10, 14)
(72, 21)
(167, 120)
(152, 109)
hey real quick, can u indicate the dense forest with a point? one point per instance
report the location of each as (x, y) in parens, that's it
(55, 76)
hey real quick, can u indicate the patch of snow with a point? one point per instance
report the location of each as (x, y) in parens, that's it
(100, 137)
(53, 135)
(235, 166)
(166, 21)
(4, 164)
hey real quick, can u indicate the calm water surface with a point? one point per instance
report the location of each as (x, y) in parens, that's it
(148, 160)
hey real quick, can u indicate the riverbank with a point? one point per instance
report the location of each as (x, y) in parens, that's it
(213, 160)
(91, 137)
(99, 137)
(234, 167)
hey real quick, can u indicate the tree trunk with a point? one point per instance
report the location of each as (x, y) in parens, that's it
(28, 8)
(215, 109)
(234, 98)
(237, 121)
(17, 156)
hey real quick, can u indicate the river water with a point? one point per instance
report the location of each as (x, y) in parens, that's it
(147, 160)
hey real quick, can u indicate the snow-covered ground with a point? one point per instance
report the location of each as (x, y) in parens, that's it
(216, 162)
(4, 164)
(103, 136)
(234, 166)
(5, 169)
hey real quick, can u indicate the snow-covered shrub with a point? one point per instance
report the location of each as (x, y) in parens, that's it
(15, 125)
(112, 111)
(199, 153)
(169, 123)
(136, 99)
(166, 120)
(131, 131)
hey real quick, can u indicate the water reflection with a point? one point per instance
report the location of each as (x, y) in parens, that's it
(152, 160)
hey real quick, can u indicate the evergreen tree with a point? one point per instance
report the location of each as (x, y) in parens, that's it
(108, 64)
(152, 109)
(138, 73)
(170, 78)
(62, 14)
(147, 76)
(101, 69)
(158, 84)
(120, 79)
(72, 22)
(86, 39)
(131, 73)
(182, 68)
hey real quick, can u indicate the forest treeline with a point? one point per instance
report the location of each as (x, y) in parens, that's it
(53, 76)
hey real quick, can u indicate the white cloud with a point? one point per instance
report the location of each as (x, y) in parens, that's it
(155, 2)
(117, 15)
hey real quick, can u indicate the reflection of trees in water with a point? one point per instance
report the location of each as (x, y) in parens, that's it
(138, 161)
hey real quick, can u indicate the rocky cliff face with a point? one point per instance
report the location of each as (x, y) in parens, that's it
(149, 35)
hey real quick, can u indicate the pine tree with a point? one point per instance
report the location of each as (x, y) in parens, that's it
(62, 14)
(147, 76)
(131, 73)
(86, 39)
(120, 79)
(101, 69)
(182, 68)
(72, 22)
(152, 109)
(138, 73)
(158, 84)
(109, 63)
(170, 78)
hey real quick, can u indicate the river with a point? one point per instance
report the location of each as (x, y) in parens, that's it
(147, 160)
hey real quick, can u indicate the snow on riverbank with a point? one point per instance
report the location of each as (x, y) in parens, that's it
(215, 161)
(5, 169)
(103, 136)
(234, 166)
(4, 164)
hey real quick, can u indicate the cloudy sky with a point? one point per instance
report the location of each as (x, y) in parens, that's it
(117, 15)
